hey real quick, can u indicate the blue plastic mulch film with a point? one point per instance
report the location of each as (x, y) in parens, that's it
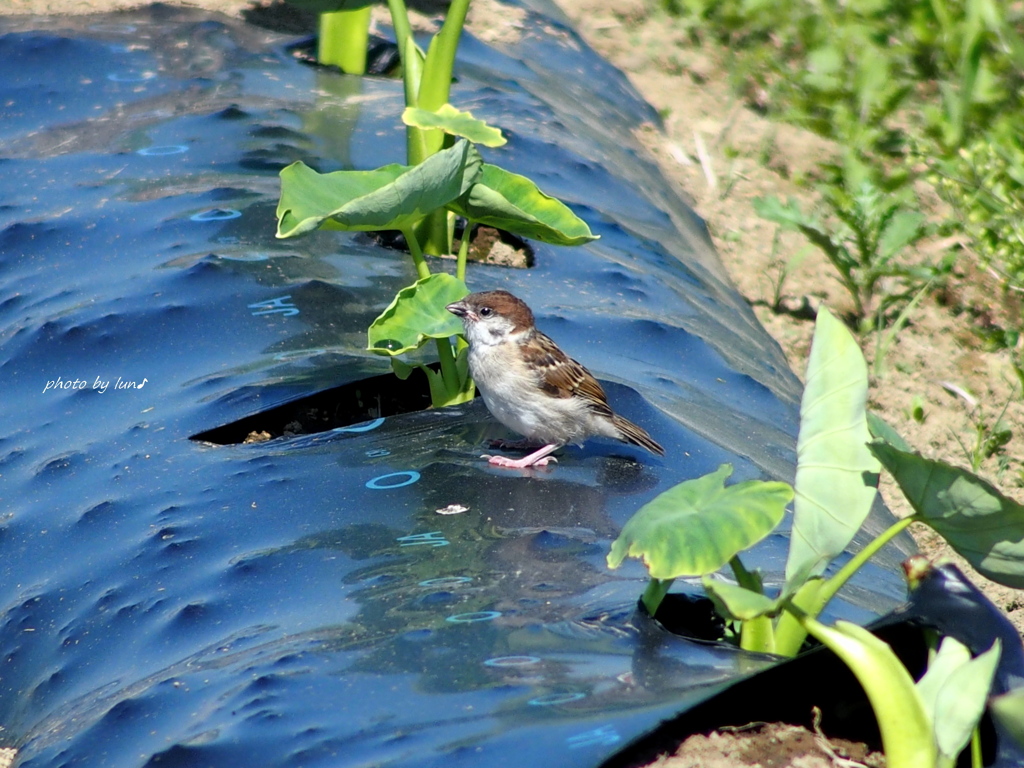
(372, 594)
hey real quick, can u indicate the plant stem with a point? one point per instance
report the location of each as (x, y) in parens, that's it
(746, 579)
(422, 270)
(756, 634)
(437, 75)
(449, 373)
(790, 633)
(403, 29)
(412, 76)
(835, 583)
(460, 265)
(343, 36)
(654, 594)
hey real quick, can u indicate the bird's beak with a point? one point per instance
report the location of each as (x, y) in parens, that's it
(458, 308)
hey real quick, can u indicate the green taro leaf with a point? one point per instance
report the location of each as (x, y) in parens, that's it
(835, 473)
(417, 314)
(737, 603)
(392, 197)
(450, 120)
(979, 522)
(883, 430)
(514, 203)
(697, 526)
(900, 712)
(954, 691)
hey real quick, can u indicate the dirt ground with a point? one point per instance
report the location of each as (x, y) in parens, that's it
(934, 381)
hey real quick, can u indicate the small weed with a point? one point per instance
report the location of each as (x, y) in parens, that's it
(779, 270)
(916, 411)
(935, 85)
(867, 228)
(884, 337)
(767, 149)
(990, 437)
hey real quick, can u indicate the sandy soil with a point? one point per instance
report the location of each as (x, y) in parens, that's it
(937, 363)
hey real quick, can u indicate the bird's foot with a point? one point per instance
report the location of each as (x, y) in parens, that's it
(538, 458)
(523, 463)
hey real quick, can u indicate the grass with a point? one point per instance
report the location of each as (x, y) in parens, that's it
(924, 91)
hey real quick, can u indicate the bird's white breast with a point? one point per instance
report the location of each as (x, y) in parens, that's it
(510, 391)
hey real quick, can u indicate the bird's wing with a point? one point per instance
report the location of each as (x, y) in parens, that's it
(561, 376)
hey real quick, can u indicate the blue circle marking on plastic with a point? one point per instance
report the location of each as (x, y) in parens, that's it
(469, 618)
(366, 426)
(130, 77)
(166, 149)
(445, 581)
(555, 698)
(377, 453)
(512, 661)
(400, 480)
(216, 214)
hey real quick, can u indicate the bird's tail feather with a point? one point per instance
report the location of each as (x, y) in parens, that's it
(631, 433)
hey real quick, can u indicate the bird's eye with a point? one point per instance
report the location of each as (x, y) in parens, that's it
(486, 312)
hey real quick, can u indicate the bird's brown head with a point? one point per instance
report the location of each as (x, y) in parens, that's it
(490, 317)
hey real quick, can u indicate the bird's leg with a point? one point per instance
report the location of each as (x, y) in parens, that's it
(539, 458)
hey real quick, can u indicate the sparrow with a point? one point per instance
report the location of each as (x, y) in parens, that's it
(531, 386)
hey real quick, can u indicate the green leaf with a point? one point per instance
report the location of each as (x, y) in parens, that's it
(954, 691)
(392, 197)
(401, 368)
(902, 230)
(834, 468)
(899, 710)
(417, 314)
(737, 603)
(450, 120)
(1008, 710)
(787, 214)
(697, 526)
(984, 526)
(514, 203)
(883, 430)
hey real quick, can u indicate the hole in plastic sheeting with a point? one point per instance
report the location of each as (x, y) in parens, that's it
(355, 407)
(381, 55)
(487, 245)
